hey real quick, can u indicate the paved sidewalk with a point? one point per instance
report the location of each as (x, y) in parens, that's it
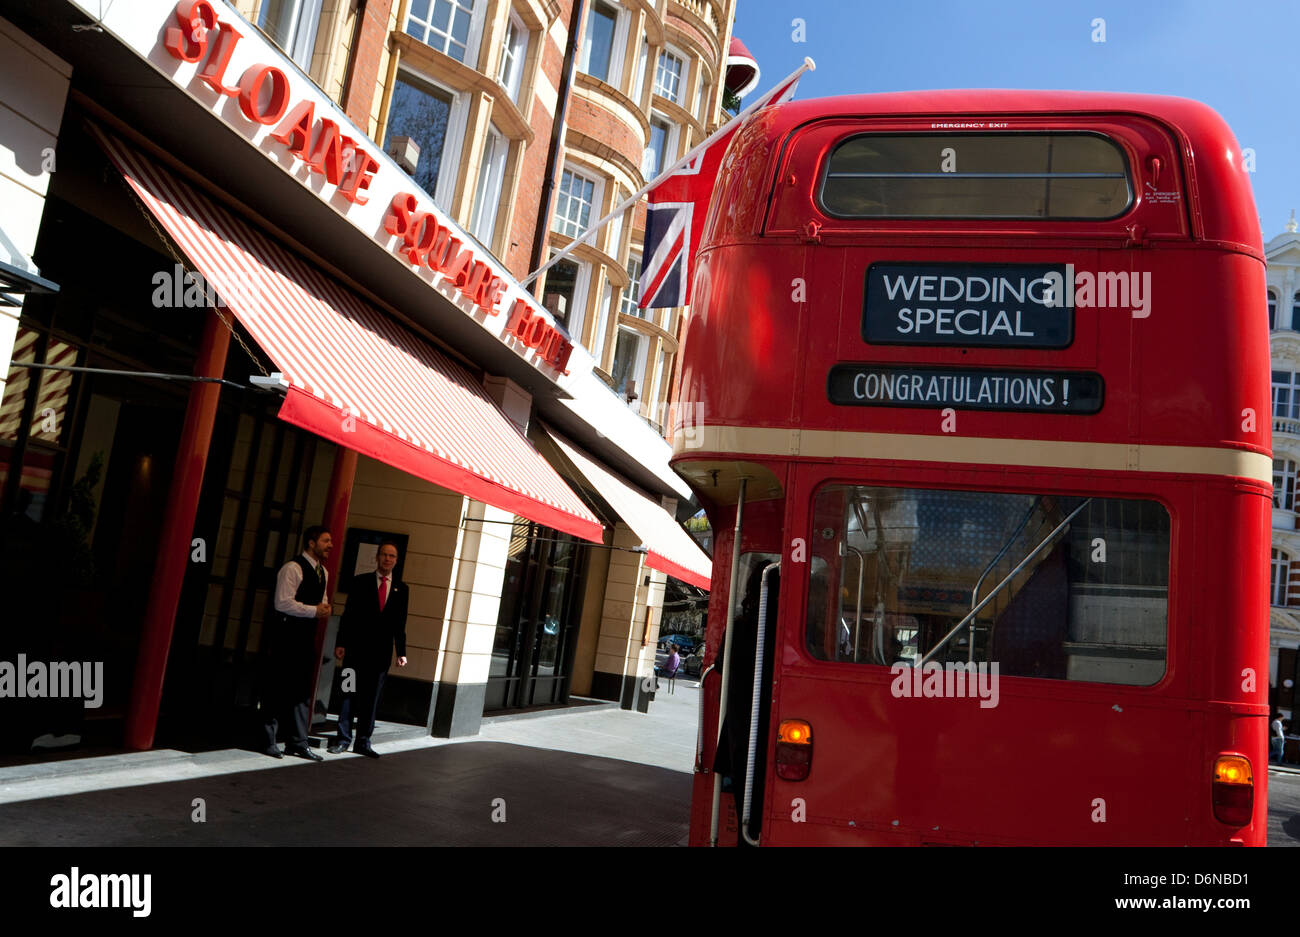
(579, 776)
(664, 737)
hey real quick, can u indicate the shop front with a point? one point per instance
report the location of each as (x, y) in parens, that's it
(267, 329)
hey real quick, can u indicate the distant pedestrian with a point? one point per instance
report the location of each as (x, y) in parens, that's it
(301, 598)
(671, 666)
(1276, 739)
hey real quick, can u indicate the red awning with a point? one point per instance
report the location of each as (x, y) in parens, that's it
(669, 548)
(356, 377)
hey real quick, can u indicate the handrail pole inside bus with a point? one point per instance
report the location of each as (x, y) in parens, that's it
(998, 588)
(857, 622)
(755, 706)
(699, 728)
(726, 655)
(975, 593)
(876, 642)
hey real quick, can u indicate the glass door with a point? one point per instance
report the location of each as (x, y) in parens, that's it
(537, 627)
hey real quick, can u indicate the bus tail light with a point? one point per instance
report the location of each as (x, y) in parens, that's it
(793, 750)
(1234, 790)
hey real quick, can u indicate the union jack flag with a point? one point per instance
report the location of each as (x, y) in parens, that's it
(674, 218)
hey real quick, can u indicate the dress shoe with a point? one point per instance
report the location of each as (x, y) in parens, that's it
(304, 753)
(366, 750)
(273, 752)
(337, 747)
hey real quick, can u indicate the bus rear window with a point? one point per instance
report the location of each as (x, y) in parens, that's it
(1052, 586)
(1066, 176)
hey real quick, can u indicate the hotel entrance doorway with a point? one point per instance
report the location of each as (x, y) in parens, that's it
(537, 628)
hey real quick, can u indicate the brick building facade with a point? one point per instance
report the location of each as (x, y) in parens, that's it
(484, 114)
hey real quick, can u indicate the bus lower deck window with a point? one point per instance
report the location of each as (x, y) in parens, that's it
(1056, 586)
(977, 175)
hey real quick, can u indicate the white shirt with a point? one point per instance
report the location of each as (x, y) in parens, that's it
(286, 587)
(1277, 729)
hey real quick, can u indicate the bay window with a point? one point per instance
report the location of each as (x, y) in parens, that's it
(430, 116)
(668, 76)
(513, 52)
(292, 25)
(487, 194)
(450, 26)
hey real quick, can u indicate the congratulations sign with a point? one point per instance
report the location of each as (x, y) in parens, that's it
(999, 305)
(869, 385)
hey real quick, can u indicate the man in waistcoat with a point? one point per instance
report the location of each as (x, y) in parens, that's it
(301, 597)
(373, 627)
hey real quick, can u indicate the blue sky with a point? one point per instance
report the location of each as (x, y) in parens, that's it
(1241, 58)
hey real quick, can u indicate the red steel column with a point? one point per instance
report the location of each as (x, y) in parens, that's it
(336, 519)
(178, 528)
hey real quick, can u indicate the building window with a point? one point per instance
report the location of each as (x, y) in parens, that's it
(1286, 395)
(565, 295)
(1284, 475)
(640, 71)
(513, 52)
(665, 378)
(668, 76)
(573, 207)
(598, 46)
(632, 294)
(1295, 312)
(602, 320)
(629, 361)
(561, 290)
(487, 195)
(614, 230)
(658, 151)
(291, 24)
(1280, 578)
(1272, 310)
(423, 112)
(446, 25)
(701, 96)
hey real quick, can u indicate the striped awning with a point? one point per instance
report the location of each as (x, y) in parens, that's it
(669, 548)
(355, 376)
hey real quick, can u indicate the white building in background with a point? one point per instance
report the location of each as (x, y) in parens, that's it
(1283, 257)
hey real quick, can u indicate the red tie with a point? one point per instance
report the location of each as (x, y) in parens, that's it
(383, 591)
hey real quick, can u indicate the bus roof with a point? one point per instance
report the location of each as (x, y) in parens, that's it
(1219, 196)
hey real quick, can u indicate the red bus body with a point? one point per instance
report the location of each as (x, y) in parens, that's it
(777, 302)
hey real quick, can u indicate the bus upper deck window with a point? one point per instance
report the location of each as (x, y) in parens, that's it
(1004, 176)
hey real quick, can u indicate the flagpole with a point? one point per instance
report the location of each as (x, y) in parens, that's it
(807, 66)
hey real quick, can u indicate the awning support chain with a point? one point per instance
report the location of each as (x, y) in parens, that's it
(120, 373)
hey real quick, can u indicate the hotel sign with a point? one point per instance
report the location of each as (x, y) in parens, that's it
(210, 51)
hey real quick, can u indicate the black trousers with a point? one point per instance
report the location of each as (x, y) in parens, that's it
(288, 681)
(362, 704)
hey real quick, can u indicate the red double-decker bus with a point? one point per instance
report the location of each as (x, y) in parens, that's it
(976, 395)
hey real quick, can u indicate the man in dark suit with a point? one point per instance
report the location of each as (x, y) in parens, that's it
(301, 597)
(372, 627)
